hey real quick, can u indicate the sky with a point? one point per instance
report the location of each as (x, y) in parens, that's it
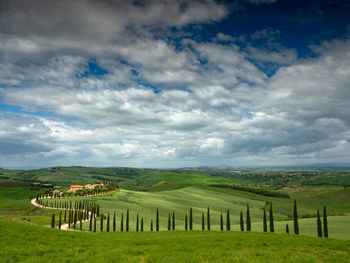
(174, 83)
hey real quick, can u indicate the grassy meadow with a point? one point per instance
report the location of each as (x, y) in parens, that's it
(24, 243)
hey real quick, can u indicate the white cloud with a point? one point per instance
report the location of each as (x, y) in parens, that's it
(215, 107)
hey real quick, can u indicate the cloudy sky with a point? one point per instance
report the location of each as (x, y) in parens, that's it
(174, 83)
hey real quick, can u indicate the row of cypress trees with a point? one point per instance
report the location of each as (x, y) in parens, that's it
(77, 205)
(79, 214)
(90, 192)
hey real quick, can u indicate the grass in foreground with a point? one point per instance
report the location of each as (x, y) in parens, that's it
(24, 243)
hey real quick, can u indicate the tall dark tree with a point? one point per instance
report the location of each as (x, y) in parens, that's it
(208, 218)
(101, 225)
(157, 220)
(186, 221)
(287, 229)
(114, 223)
(319, 224)
(241, 221)
(203, 223)
(59, 221)
(151, 228)
(295, 218)
(137, 222)
(81, 224)
(65, 215)
(127, 221)
(169, 223)
(53, 220)
(173, 223)
(248, 219)
(141, 224)
(228, 223)
(108, 223)
(221, 223)
(264, 221)
(122, 223)
(325, 223)
(90, 226)
(95, 224)
(75, 218)
(191, 219)
(272, 226)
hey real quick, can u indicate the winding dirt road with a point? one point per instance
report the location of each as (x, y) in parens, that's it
(63, 226)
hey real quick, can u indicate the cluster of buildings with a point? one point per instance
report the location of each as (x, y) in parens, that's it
(74, 188)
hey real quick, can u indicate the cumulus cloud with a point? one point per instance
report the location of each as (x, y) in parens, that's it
(161, 103)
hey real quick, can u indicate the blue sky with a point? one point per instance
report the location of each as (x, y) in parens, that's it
(174, 83)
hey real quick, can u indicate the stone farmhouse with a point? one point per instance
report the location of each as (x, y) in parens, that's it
(74, 188)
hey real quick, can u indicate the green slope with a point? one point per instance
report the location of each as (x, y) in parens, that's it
(219, 200)
(24, 243)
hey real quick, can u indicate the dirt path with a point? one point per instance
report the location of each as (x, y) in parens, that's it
(64, 226)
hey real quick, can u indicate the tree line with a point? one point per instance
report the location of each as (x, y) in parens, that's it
(86, 210)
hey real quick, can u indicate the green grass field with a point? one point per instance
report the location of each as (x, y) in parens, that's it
(24, 243)
(15, 206)
(219, 200)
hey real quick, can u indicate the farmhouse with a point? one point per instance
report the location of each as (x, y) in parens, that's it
(74, 188)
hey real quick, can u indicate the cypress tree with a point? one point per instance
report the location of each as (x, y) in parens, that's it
(127, 221)
(228, 223)
(59, 222)
(94, 223)
(191, 219)
(75, 218)
(157, 220)
(241, 221)
(90, 228)
(81, 224)
(248, 219)
(53, 220)
(69, 218)
(203, 221)
(325, 222)
(186, 221)
(169, 223)
(319, 224)
(141, 224)
(221, 223)
(264, 221)
(287, 229)
(208, 218)
(173, 226)
(101, 225)
(137, 222)
(108, 223)
(114, 223)
(151, 225)
(122, 223)
(65, 215)
(272, 226)
(295, 218)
